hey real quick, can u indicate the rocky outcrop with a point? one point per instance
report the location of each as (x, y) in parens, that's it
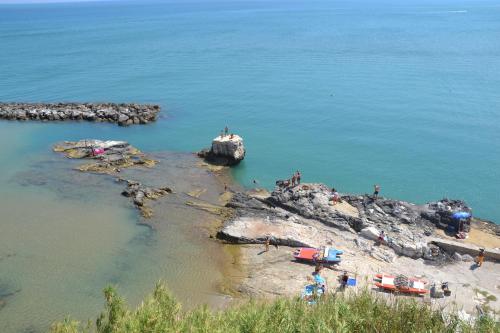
(122, 114)
(140, 194)
(294, 214)
(107, 156)
(226, 150)
(314, 201)
(111, 157)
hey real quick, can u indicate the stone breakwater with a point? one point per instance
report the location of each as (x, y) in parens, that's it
(122, 114)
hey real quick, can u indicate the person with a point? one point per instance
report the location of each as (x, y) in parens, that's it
(480, 258)
(225, 187)
(376, 192)
(297, 176)
(231, 136)
(343, 280)
(294, 178)
(318, 267)
(226, 130)
(381, 237)
(268, 241)
(336, 196)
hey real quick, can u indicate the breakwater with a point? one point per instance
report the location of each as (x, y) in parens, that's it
(122, 114)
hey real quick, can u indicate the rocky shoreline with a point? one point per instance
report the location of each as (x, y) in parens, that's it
(305, 216)
(290, 215)
(121, 114)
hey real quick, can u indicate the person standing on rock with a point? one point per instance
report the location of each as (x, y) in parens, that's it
(294, 179)
(336, 196)
(376, 191)
(268, 241)
(226, 131)
(480, 258)
(298, 175)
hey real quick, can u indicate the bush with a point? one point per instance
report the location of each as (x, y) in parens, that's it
(363, 312)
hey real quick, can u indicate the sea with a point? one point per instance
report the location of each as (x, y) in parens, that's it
(404, 94)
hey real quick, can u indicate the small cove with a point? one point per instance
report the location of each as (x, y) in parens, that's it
(66, 235)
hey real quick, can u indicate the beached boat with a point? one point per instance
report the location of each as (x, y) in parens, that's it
(325, 255)
(401, 283)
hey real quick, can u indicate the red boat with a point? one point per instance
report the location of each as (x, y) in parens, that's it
(325, 255)
(401, 283)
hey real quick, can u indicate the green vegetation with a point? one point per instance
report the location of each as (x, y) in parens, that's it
(336, 313)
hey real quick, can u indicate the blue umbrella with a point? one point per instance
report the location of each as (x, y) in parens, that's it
(461, 215)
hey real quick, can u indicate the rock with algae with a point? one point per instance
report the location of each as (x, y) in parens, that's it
(106, 156)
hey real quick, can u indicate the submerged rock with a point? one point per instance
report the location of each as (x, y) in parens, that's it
(140, 194)
(226, 150)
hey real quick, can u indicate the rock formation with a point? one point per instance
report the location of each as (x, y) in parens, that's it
(110, 157)
(226, 150)
(122, 114)
(107, 156)
(140, 194)
(304, 215)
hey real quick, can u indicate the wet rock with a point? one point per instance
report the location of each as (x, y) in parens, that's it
(107, 156)
(123, 114)
(140, 194)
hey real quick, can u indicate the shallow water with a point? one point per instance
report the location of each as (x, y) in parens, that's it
(65, 235)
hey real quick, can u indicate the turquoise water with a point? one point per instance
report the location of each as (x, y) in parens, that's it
(352, 93)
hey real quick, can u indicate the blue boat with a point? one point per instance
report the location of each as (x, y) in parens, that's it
(331, 255)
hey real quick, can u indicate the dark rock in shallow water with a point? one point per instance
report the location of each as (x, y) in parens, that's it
(140, 194)
(122, 114)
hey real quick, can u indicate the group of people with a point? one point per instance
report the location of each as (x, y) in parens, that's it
(225, 132)
(295, 180)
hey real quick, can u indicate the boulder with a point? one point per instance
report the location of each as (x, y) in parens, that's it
(370, 233)
(229, 146)
(225, 150)
(467, 258)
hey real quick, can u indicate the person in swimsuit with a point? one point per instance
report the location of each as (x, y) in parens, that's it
(298, 175)
(480, 258)
(376, 192)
